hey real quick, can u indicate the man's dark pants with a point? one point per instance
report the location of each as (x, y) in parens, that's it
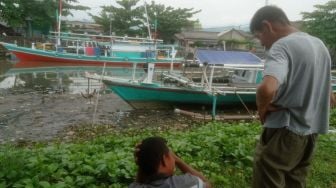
(282, 158)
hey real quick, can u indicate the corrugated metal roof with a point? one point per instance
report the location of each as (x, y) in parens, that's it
(227, 57)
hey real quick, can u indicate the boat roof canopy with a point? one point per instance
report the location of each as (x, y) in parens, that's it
(216, 57)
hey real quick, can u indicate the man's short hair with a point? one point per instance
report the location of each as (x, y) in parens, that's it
(268, 13)
(150, 155)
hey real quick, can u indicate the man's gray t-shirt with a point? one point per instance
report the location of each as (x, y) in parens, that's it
(178, 181)
(301, 64)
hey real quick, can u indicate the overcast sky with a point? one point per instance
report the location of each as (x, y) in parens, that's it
(215, 13)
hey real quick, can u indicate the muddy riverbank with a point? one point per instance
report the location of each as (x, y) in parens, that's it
(34, 116)
(42, 105)
(41, 117)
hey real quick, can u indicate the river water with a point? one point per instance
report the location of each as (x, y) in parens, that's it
(38, 100)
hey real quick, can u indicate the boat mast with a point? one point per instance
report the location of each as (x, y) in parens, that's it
(173, 54)
(59, 23)
(148, 26)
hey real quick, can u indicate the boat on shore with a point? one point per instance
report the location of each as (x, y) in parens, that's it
(98, 49)
(242, 72)
(156, 95)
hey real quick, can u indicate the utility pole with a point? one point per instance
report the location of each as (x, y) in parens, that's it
(266, 2)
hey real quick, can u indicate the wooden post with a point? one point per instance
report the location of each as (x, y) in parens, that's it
(214, 104)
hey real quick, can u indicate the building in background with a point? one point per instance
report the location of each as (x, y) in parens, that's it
(7, 31)
(190, 40)
(84, 27)
(234, 39)
(230, 39)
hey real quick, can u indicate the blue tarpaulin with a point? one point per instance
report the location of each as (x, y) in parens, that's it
(227, 57)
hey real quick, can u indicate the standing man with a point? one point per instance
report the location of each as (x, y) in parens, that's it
(293, 100)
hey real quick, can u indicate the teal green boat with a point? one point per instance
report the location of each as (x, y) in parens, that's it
(171, 89)
(140, 95)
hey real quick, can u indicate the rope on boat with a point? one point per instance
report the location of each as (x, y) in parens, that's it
(97, 100)
(248, 111)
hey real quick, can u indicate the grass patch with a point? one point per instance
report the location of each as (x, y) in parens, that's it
(222, 151)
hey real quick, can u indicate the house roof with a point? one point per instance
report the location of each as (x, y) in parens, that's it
(3, 23)
(7, 31)
(227, 57)
(197, 35)
(240, 32)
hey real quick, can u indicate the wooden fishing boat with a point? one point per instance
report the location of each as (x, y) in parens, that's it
(98, 49)
(30, 54)
(243, 69)
(140, 95)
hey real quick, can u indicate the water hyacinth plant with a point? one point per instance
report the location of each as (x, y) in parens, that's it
(222, 151)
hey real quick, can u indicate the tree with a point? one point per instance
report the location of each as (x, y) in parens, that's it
(10, 12)
(123, 20)
(322, 23)
(130, 19)
(171, 21)
(41, 14)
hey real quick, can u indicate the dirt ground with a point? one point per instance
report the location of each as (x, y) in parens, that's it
(39, 117)
(33, 116)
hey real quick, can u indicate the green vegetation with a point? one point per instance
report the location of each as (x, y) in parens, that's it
(128, 19)
(321, 23)
(41, 14)
(222, 151)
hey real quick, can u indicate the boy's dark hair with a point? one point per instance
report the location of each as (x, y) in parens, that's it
(148, 158)
(269, 13)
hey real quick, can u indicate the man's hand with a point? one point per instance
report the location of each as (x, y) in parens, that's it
(262, 114)
(265, 93)
(270, 108)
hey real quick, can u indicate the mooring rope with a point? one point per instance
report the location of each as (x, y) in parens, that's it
(248, 111)
(98, 95)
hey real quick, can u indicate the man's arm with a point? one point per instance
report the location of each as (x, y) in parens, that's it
(185, 168)
(265, 93)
